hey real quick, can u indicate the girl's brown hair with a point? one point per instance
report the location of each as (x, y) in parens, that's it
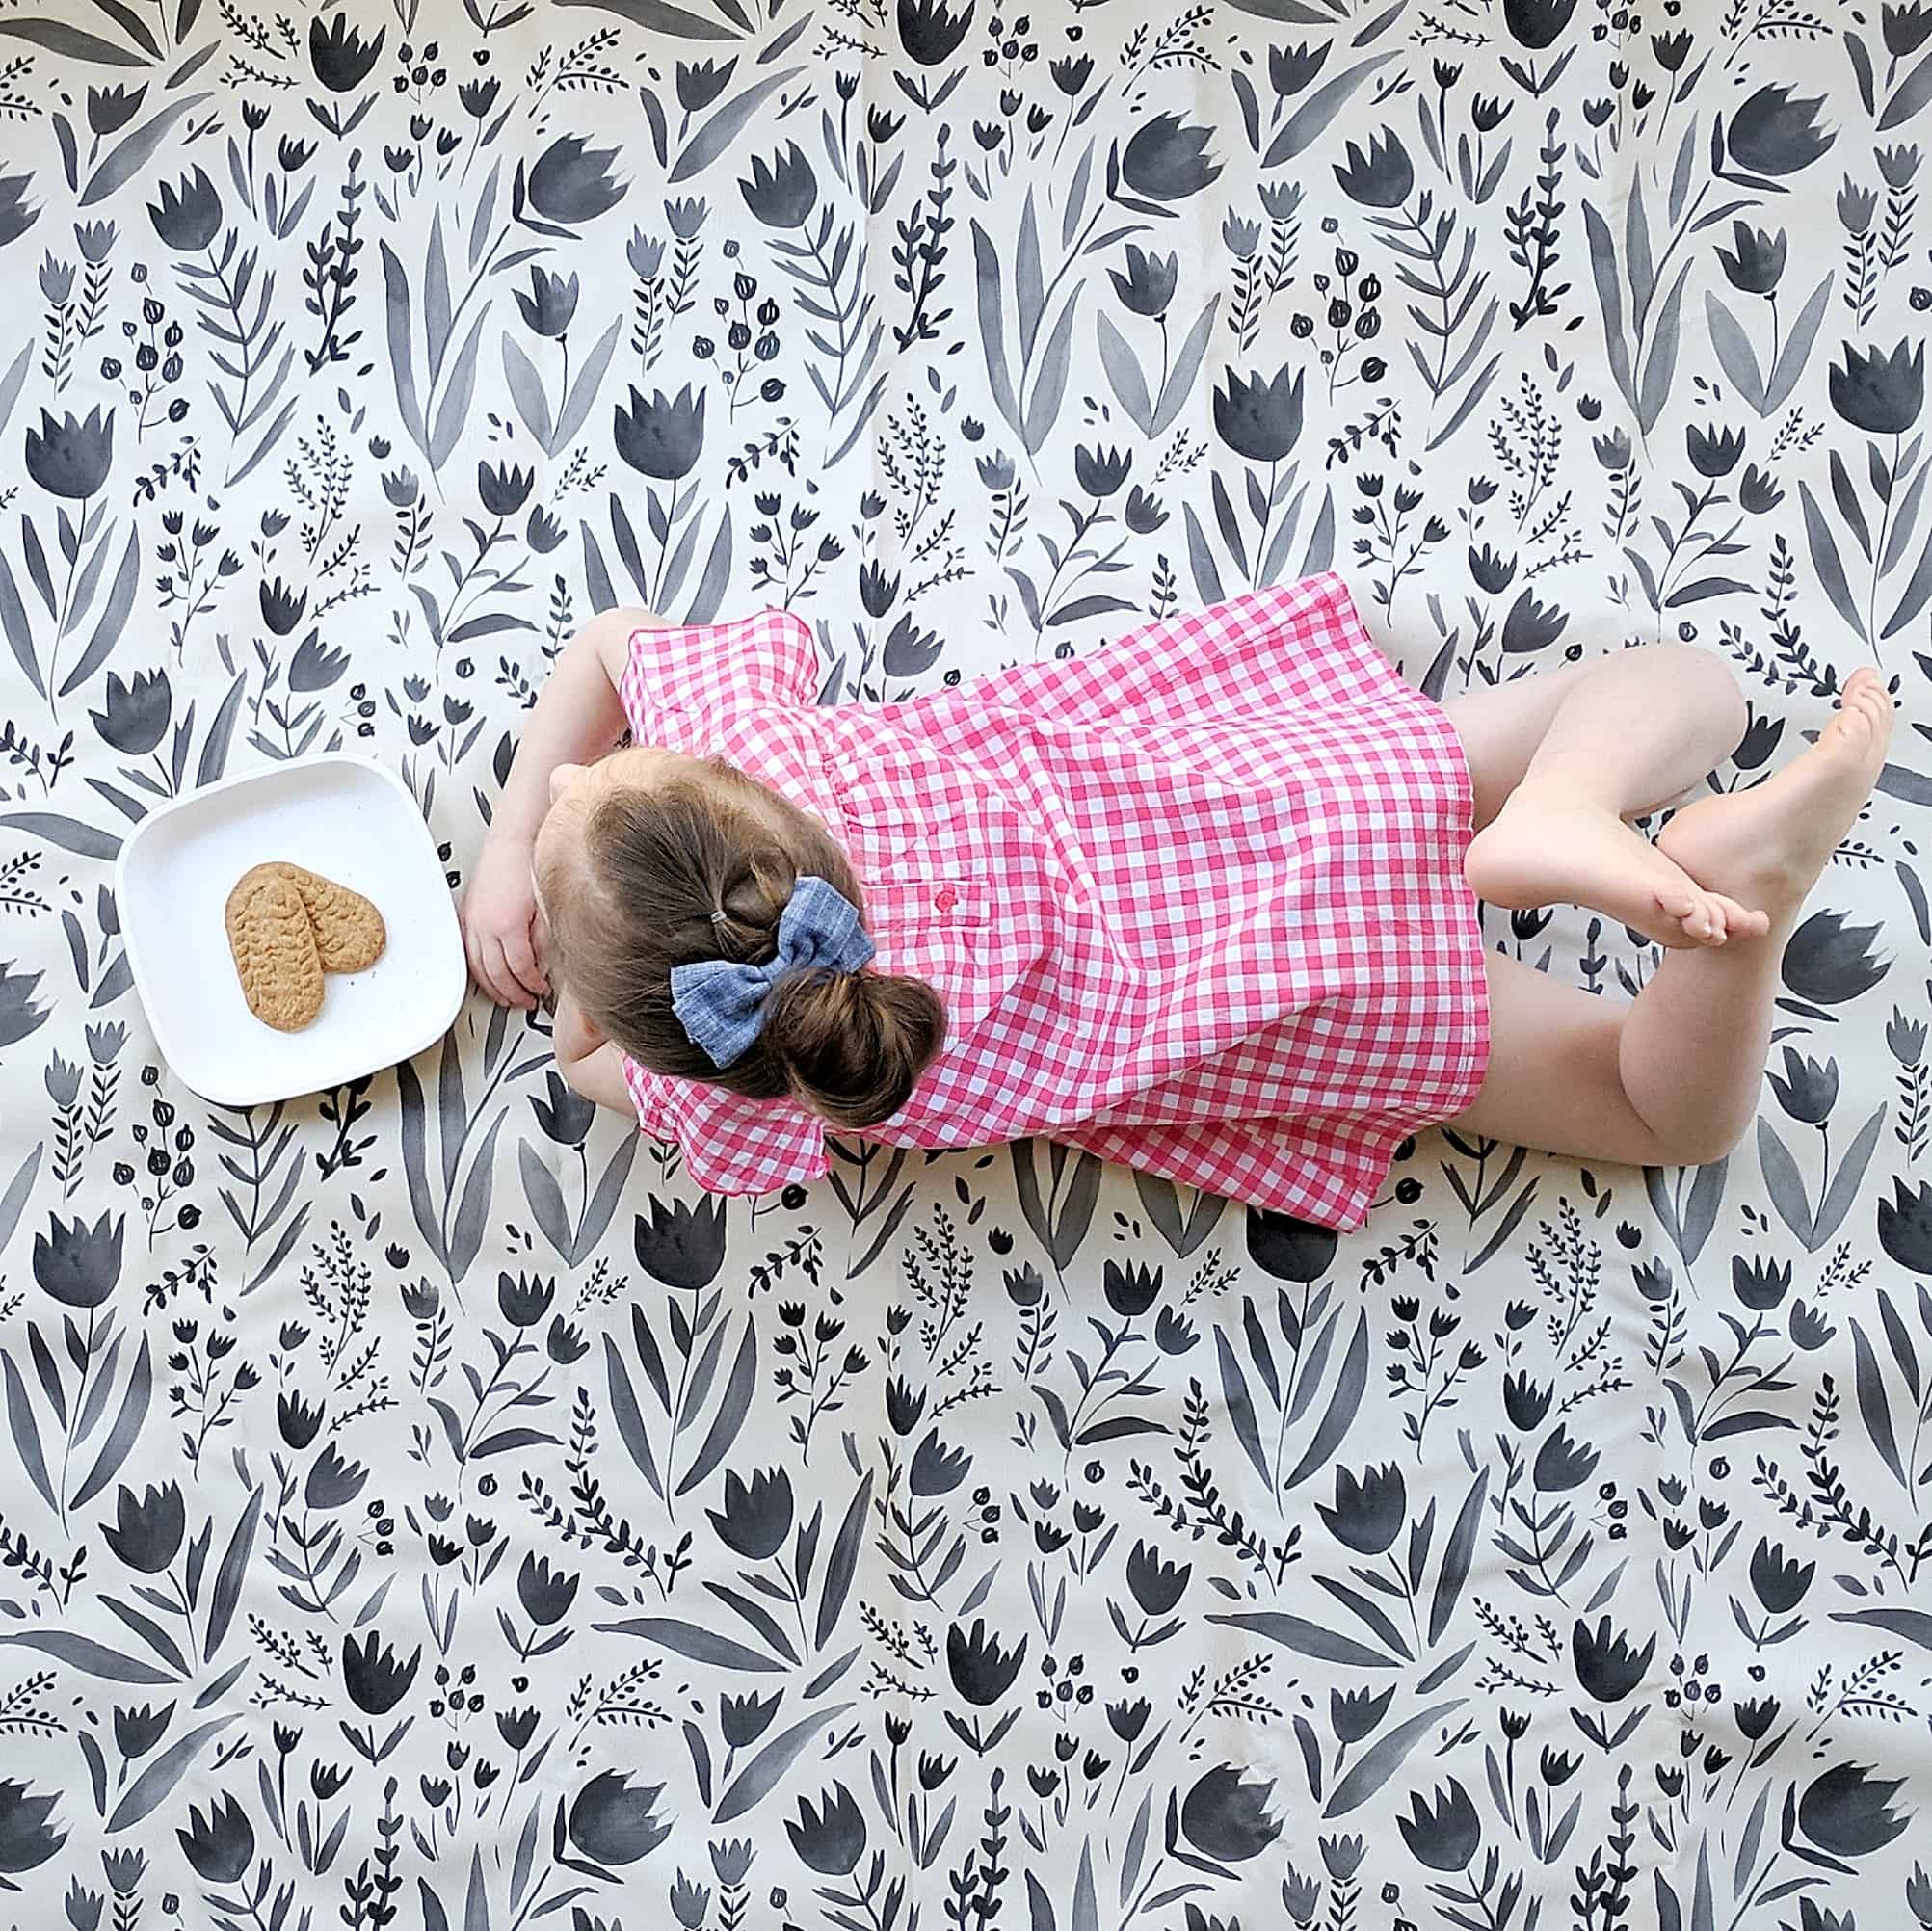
(656, 864)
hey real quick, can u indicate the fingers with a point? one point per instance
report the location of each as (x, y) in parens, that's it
(491, 972)
(472, 953)
(479, 966)
(510, 989)
(521, 958)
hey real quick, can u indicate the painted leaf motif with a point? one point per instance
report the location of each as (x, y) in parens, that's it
(761, 1775)
(1383, 1759)
(693, 1641)
(1307, 1639)
(1314, 117)
(158, 1778)
(1123, 372)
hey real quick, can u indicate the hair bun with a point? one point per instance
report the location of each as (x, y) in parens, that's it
(854, 1044)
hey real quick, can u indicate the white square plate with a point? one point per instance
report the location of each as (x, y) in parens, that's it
(352, 821)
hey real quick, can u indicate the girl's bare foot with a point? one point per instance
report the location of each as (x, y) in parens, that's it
(1548, 847)
(1769, 844)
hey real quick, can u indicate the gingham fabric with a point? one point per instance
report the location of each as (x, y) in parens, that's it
(1194, 901)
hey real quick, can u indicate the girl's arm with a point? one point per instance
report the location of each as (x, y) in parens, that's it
(577, 717)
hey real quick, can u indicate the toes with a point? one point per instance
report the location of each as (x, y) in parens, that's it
(1741, 921)
(1865, 689)
(1710, 921)
(1690, 910)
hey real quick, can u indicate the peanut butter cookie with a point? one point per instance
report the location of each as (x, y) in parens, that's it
(288, 926)
(349, 931)
(273, 940)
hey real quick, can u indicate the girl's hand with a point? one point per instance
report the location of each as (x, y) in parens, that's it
(500, 926)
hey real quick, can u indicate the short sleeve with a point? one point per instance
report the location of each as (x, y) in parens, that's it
(647, 1095)
(715, 670)
(1259, 651)
(730, 1144)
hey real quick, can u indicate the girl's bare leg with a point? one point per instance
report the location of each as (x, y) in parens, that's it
(1558, 770)
(1502, 724)
(1675, 1078)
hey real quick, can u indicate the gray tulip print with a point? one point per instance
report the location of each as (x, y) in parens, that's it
(425, 1504)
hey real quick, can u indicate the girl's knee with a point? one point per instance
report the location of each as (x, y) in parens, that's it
(619, 622)
(1710, 684)
(1727, 699)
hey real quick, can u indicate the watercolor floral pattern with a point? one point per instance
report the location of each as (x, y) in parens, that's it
(423, 1505)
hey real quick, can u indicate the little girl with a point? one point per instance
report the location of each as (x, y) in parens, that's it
(1203, 901)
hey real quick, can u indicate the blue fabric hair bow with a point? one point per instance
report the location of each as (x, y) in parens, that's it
(721, 1004)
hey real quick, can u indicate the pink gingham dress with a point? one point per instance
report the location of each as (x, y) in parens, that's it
(1194, 902)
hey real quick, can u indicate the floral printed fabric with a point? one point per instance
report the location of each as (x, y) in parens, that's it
(422, 1506)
